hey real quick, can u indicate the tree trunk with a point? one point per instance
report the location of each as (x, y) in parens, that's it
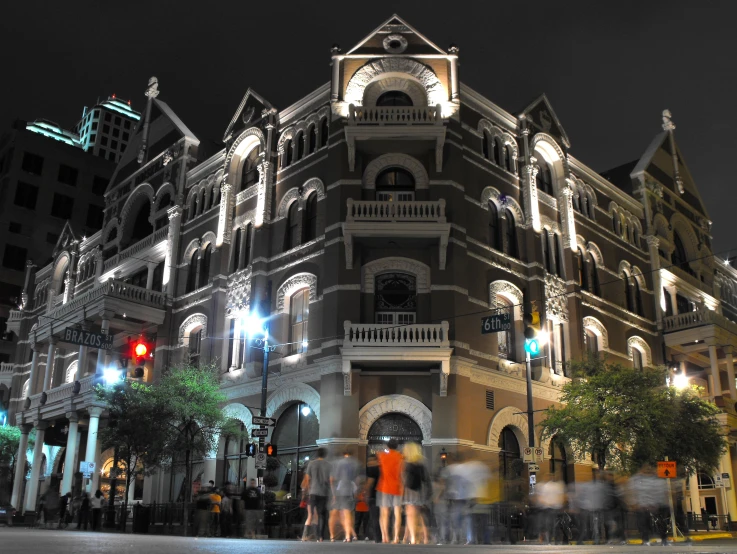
(187, 490)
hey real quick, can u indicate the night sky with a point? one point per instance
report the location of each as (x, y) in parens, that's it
(608, 68)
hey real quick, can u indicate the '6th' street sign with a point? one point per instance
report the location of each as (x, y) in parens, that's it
(496, 323)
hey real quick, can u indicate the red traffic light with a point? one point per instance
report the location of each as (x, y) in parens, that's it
(140, 349)
(270, 450)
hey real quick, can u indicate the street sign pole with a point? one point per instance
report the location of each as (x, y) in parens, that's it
(530, 421)
(672, 511)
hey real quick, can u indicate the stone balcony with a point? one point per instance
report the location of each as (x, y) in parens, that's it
(407, 336)
(698, 318)
(153, 239)
(416, 123)
(60, 400)
(6, 374)
(419, 220)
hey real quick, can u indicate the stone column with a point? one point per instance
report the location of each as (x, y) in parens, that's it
(529, 195)
(20, 467)
(151, 267)
(730, 374)
(32, 377)
(169, 281)
(653, 243)
(453, 58)
(335, 85)
(693, 492)
(48, 378)
(32, 486)
(717, 386)
(91, 452)
(673, 299)
(71, 453)
(224, 218)
(730, 492)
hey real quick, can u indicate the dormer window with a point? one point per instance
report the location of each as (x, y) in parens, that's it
(394, 98)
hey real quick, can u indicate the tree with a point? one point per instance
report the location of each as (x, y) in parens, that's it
(133, 430)
(9, 443)
(188, 400)
(627, 418)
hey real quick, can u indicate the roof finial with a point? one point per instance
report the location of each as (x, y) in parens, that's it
(668, 124)
(152, 91)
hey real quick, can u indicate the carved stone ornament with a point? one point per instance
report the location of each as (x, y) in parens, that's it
(395, 44)
(294, 283)
(598, 329)
(292, 392)
(239, 290)
(643, 347)
(347, 379)
(556, 300)
(395, 403)
(195, 320)
(248, 115)
(443, 384)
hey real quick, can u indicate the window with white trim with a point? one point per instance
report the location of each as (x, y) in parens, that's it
(299, 313)
(395, 299)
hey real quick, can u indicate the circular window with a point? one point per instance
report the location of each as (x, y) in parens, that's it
(395, 44)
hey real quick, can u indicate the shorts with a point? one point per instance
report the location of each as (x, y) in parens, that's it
(320, 503)
(384, 500)
(344, 503)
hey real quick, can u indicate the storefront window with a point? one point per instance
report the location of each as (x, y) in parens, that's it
(295, 437)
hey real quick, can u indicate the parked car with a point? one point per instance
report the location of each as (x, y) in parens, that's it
(6, 514)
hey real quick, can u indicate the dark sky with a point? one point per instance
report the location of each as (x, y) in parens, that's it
(608, 67)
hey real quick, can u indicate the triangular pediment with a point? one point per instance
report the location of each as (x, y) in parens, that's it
(395, 26)
(250, 110)
(66, 239)
(542, 118)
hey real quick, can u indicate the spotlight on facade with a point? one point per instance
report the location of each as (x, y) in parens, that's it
(252, 324)
(680, 381)
(305, 344)
(306, 410)
(112, 376)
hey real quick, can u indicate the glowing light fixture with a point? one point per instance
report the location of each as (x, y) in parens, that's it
(252, 324)
(306, 410)
(112, 375)
(680, 381)
(141, 350)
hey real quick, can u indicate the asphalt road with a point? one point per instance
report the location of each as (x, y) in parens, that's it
(72, 542)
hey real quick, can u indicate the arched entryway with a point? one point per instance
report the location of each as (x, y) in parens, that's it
(511, 466)
(396, 426)
(295, 435)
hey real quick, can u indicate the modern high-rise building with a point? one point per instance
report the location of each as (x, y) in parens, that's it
(51, 177)
(372, 223)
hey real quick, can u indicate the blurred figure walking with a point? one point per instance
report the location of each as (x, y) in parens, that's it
(318, 486)
(389, 490)
(343, 483)
(416, 483)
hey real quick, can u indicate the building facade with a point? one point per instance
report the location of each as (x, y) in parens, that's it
(51, 176)
(373, 223)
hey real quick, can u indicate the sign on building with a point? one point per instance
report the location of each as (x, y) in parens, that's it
(87, 469)
(496, 323)
(88, 338)
(726, 481)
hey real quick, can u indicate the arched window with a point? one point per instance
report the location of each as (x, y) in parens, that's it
(194, 346)
(395, 184)
(668, 302)
(141, 225)
(300, 140)
(485, 145)
(249, 173)
(205, 266)
(292, 236)
(287, 153)
(495, 231)
(311, 135)
(636, 358)
(558, 460)
(324, 132)
(581, 270)
(509, 157)
(638, 296)
(591, 207)
(247, 236)
(505, 339)
(558, 255)
(394, 98)
(577, 202)
(192, 275)
(680, 259)
(299, 312)
(500, 154)
(164, 202)
(235, 261)
(594, 281)
(311, 217)
(395, 299)
(628, 293)
(511, 234)
(544, 177)
(234, 469)
(617, 225)
(592, 343)
(295, 436)
(510, 465)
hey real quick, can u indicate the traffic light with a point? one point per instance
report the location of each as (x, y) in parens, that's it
(532, 329)
(270, 450)
(251, 450)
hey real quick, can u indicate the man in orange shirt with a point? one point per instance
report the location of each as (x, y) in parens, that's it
(389, 489)
(215, 500)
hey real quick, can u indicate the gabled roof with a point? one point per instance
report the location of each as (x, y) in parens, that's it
(66, 238)
(543, 118)
(252, 99)
(396, 24)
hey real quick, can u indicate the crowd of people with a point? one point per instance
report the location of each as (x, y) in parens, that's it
(60, 511)
(225, 512)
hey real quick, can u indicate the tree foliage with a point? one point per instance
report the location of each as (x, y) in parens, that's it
(133, 429)
(9, 443)
(628, 418)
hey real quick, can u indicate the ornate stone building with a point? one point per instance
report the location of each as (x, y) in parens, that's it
(376, 220)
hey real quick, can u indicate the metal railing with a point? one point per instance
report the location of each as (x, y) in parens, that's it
(394, 115)
(371, 334)
(382, 210)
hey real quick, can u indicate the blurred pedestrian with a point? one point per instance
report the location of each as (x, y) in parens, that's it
(389, 490)
(202, 513)
(550, 496)
(226, 515)
(96, 506)
(253, 506)
(343, 482)
(51, 503)
(416, 482)
(318, 485)
(63, 507)
(84, 511)
(372, 480)
(215, 500)
(441, 513)
(363, 518)
(649, 497)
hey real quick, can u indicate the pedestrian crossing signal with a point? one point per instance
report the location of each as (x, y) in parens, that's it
(251, 450)
(270, 450)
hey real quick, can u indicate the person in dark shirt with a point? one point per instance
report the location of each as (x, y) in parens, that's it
(372, 478)
(252, 501)
(63, 505)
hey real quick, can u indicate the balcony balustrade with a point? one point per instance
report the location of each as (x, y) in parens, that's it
(151, 240)
(367, 210)
(698, 318)
(416, 335)
(394, 115)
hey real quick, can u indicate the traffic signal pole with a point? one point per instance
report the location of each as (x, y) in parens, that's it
(530, 413)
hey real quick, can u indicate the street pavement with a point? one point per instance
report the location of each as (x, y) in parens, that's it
(33, 541)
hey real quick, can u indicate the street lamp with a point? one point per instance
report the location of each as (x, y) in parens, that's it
(680, 381)
(112, 375)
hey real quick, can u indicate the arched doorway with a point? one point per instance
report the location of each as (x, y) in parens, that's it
(558, 460)
(399, 427)
(510, 466)
(295, 436)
